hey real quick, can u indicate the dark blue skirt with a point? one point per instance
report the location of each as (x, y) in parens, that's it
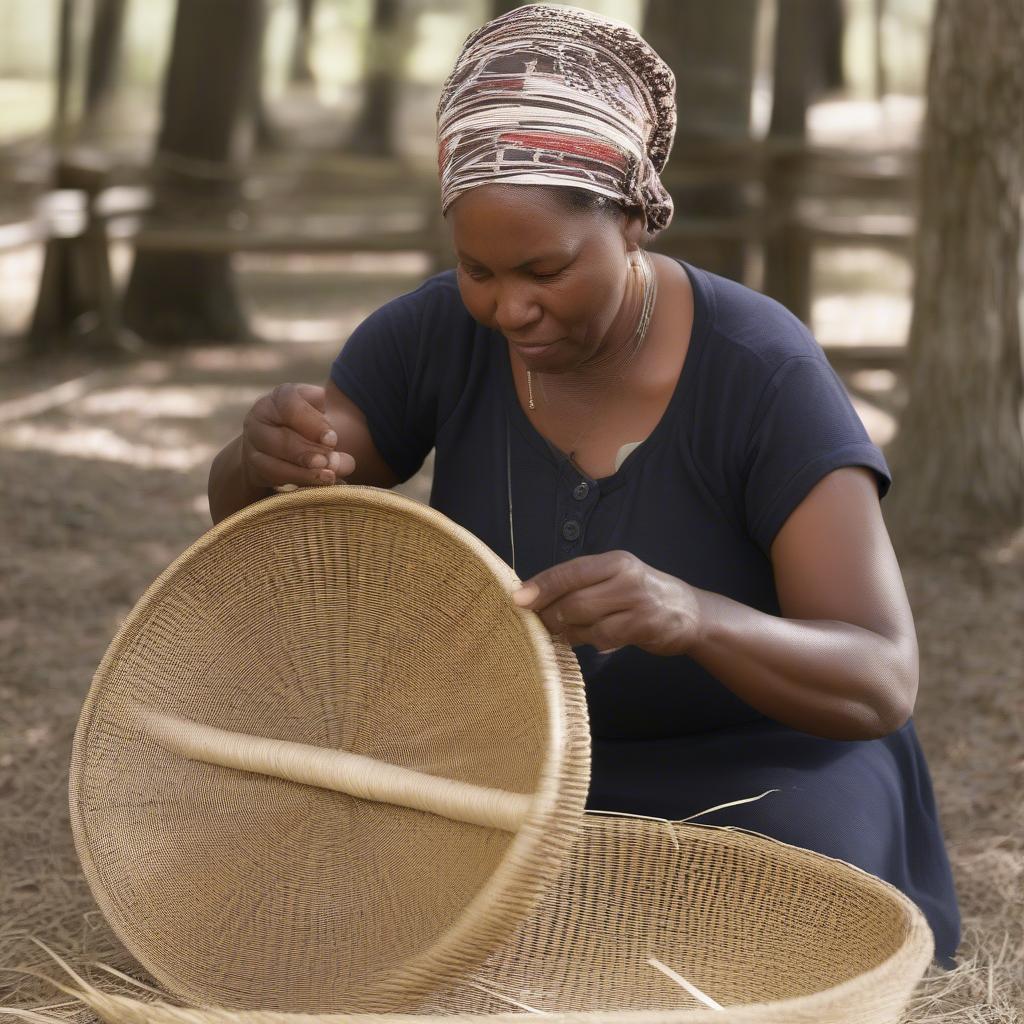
(867, 802)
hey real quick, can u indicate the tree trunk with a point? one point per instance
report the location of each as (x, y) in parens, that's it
(878, 49)
(205, 138)
(958, 458)
(59, 299)
(373, 133)
(75, 304)
(301, 68)
(787, 256)
(710, 49)
(807, 61)
(794, 70)
(104, 54)
(271, 137)
(829, 25)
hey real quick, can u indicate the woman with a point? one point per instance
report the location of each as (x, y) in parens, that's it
(664, 456)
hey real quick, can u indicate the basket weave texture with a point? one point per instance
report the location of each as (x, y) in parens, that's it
(770, 931)
(353, 619)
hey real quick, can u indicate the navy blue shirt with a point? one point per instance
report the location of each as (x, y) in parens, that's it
(757, 418)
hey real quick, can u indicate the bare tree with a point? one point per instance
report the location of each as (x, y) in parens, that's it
(958, 458)
(710, 48)
(101, 72)
(76, 301)
(300, 69)
(205, 137)
(373, 133)
(798, 75)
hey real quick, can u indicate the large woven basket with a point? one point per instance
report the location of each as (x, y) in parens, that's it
(224, 841)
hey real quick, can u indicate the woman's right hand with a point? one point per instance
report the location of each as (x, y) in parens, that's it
(287, 439)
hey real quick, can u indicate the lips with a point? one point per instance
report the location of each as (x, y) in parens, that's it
(533, 346)
(536, 356)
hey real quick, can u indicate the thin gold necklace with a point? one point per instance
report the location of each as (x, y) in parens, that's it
(650, 286)
(639, 336)
(650, 292)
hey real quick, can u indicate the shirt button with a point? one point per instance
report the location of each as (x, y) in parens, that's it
(581, 490)
(571, 530)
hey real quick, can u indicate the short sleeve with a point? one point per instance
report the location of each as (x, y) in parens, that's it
(804, 427)
(383, 368)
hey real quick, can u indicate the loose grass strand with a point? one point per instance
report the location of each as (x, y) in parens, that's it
(683, 983)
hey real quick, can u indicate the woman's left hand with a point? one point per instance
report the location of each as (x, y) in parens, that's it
(614, 599)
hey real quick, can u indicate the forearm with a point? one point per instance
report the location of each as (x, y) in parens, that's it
(827, 678)
(228, 490)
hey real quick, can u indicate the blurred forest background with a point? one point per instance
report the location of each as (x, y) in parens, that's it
(200, 199)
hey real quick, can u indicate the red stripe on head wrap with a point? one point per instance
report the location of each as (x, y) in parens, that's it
(564, 144)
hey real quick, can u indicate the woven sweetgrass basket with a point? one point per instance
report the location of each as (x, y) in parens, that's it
(328, 768)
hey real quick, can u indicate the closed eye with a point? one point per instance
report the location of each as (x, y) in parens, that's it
(479, 274)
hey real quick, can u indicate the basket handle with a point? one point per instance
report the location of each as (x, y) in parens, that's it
(337, 770)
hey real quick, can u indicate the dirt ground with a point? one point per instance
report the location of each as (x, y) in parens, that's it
(104, 472)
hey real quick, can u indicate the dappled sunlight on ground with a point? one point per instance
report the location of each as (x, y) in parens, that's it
(102, 443)
(389, 264)
(153, 403)
(238, 359)
(281, 329)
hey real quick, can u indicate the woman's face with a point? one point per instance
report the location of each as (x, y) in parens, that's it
(550, 279)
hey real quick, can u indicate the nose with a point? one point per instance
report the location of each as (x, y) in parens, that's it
(515, 308)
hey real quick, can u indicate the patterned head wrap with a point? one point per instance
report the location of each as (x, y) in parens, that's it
(553, 95)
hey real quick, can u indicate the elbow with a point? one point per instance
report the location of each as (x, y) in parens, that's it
(887, 722)
(895, 688)
(905, 708)
(876, 721)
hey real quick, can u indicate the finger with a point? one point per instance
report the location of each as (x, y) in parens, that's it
(342, 463)
(285, 444)
(581, 608)
(315, 394)
(301, 407)
(551, 584)
(607, 634)
(276, 472)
